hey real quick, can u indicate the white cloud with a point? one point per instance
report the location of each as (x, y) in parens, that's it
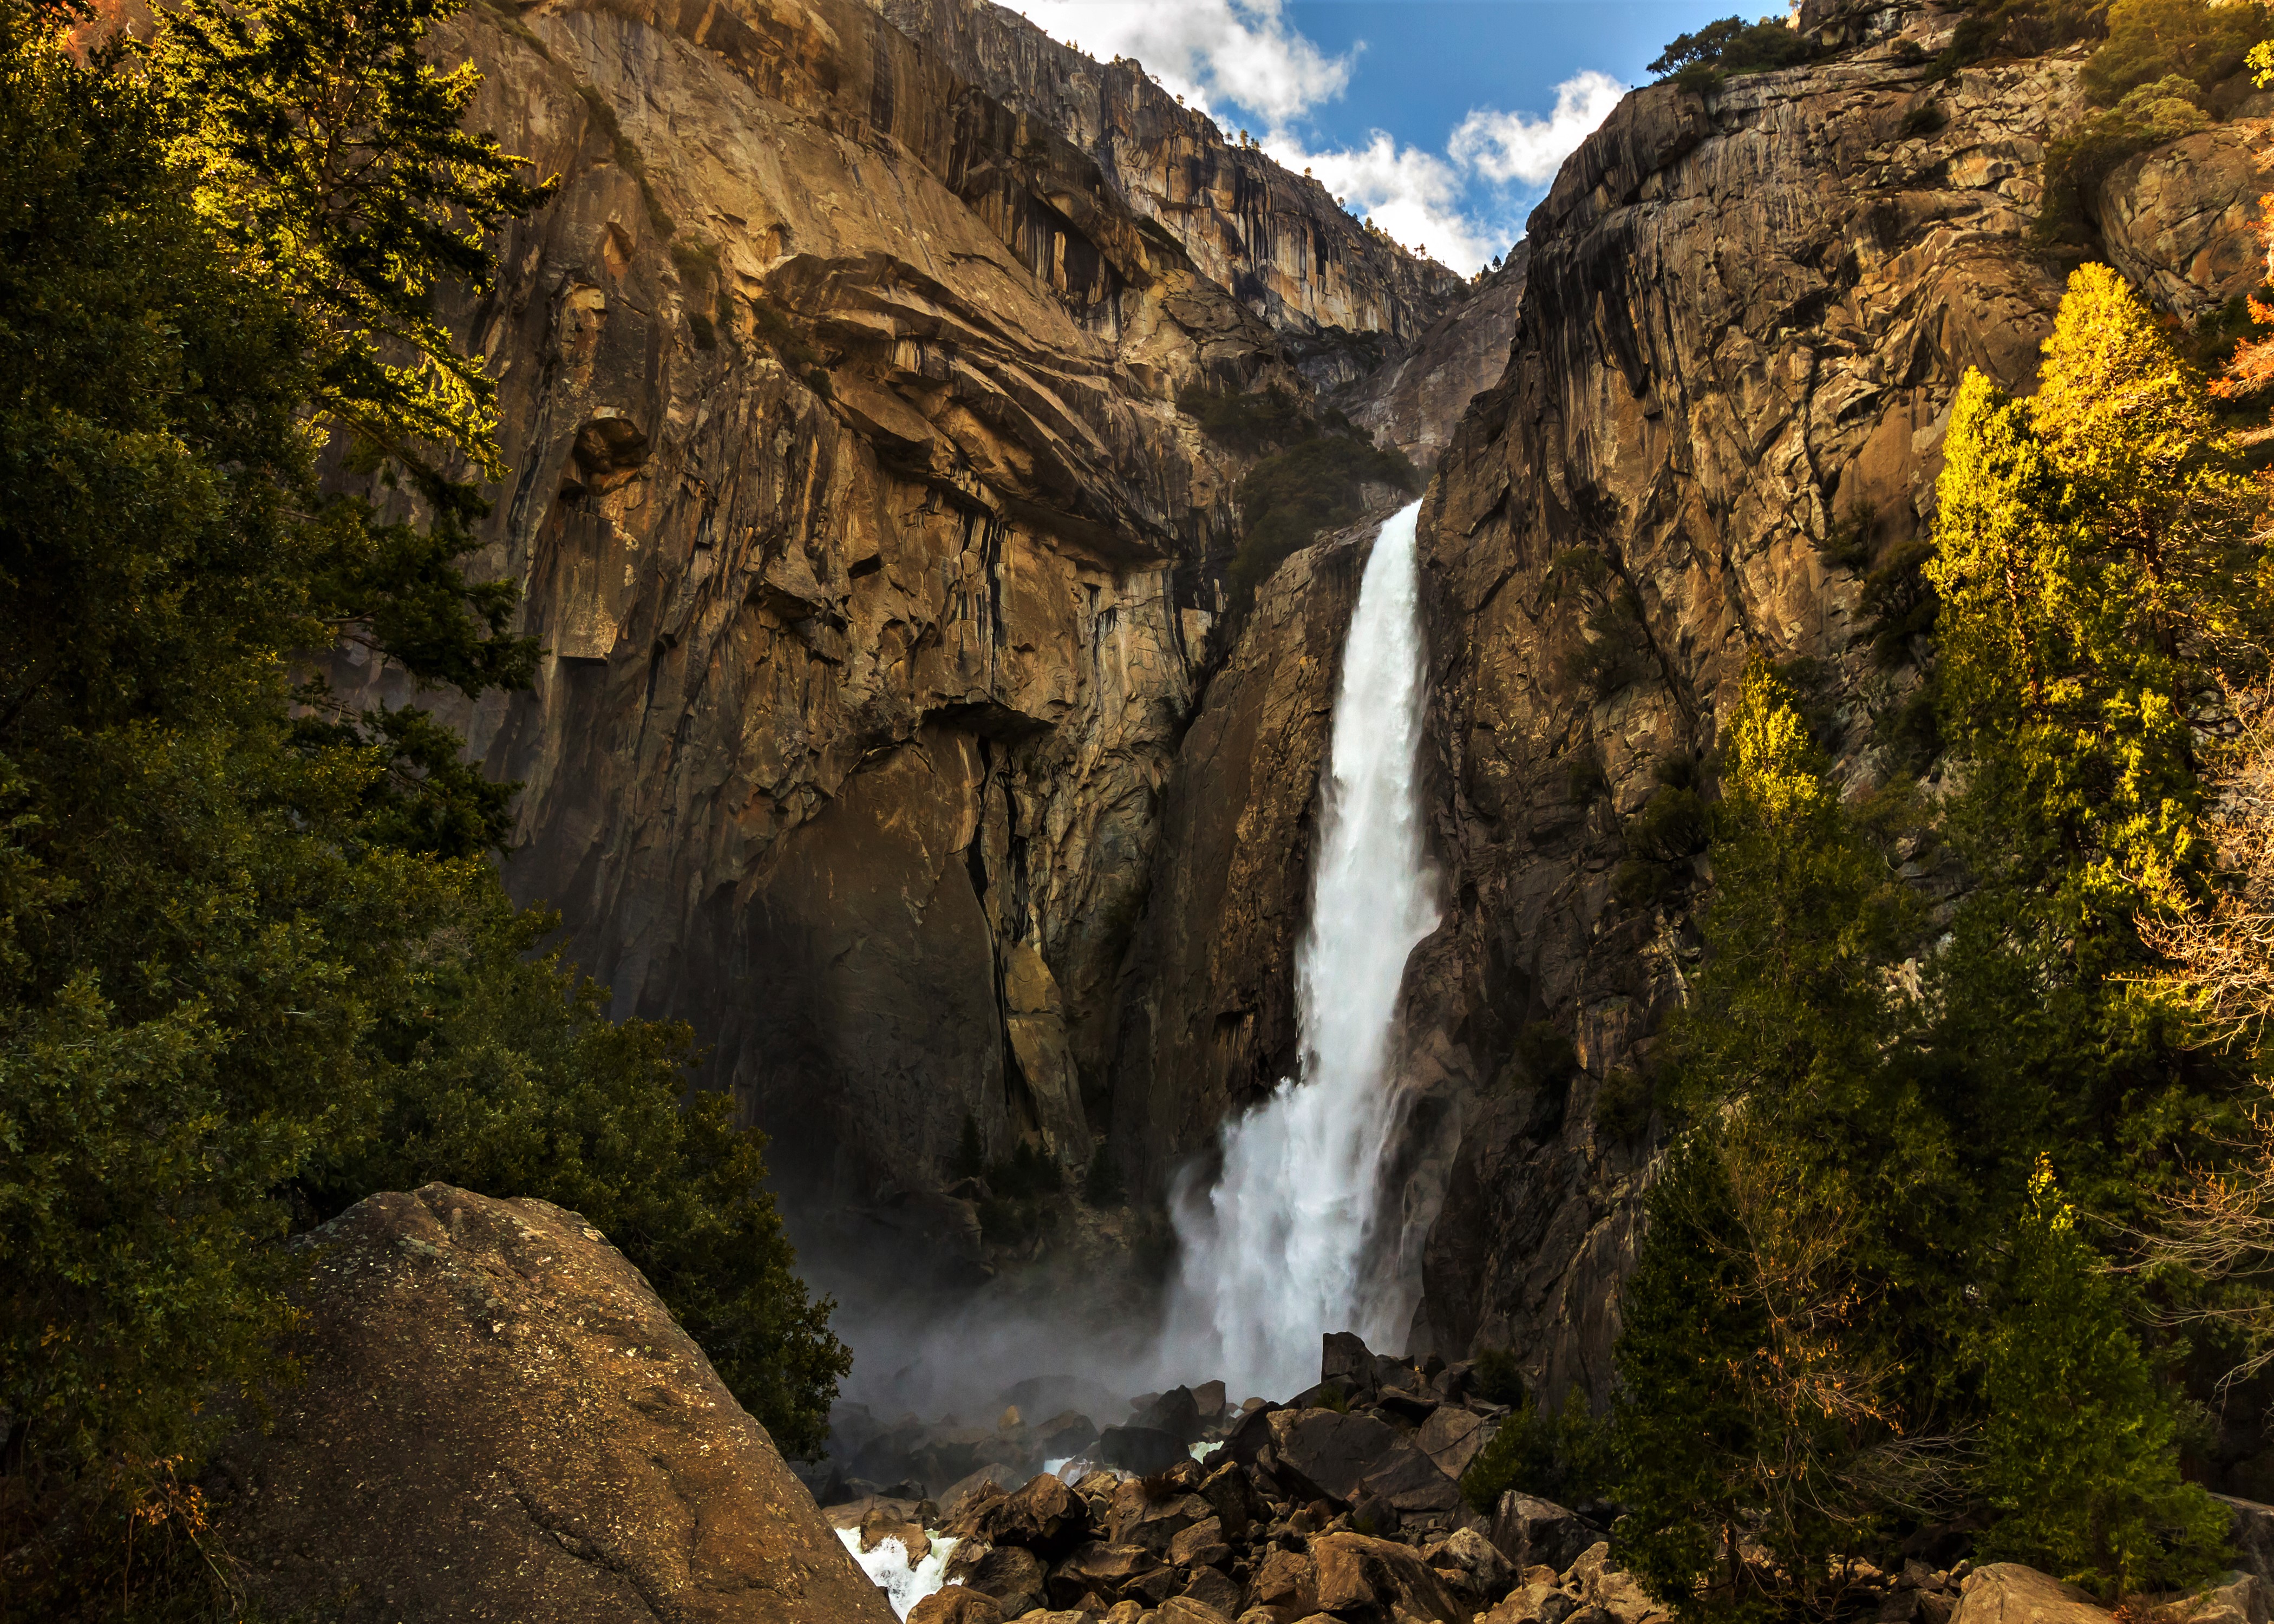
(1510, 147)
(1209, 52)
(1415, 196)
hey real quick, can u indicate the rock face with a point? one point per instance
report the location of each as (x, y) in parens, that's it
(1413, 400)
(1745, 316)
(500, 1420)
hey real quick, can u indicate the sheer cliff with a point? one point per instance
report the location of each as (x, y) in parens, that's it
(1744, 318)
(878, 566)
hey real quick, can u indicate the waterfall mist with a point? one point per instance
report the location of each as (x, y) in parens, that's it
(1285, 1246)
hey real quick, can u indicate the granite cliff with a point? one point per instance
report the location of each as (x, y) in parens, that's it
(901, 730)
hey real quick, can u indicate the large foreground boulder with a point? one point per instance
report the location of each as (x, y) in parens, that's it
(500, 1420)
(2008, 1593)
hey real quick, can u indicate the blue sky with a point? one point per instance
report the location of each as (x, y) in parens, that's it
(1443, 119)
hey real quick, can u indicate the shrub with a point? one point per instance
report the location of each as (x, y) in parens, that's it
(1101, 1186)
(1563, 1457)
(2088, 153)
(1700, 61)
(2204, 42)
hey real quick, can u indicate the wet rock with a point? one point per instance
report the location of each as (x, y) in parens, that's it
(1068, 1432)
(1327, 1454)
(988, 1481)
(1143, 1518)
(581, 1460)
(958, 1603)
(1174, 1412)
(1213, 1589)
(1231, 1495)
(1208, 1398)
(1343, 1360)
(1110, 1571)
(1250, 1433)
(1202, 1542)
(1356, 1573)
(1043, 1515)
(1189, 1608)
(1141, 1449)
(1015, 1577)
(2008, 1593)
(1538, 1533)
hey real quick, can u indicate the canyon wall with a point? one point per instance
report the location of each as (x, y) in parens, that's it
(1744, 318)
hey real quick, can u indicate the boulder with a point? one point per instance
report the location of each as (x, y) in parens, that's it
(1210, 1398)
(2235, 1597)
(1452, 1437)
(1043, 1515)
(1250, 1433)
(1141, 1520)
(1108, 1570)
(1189, 1609)
(1325, 1455)
(1231, 1495)
(1203, 1544)
(500, 1419)
(1213, 1590)
(1287, 1582)
(1538, 1600)
(1357, 1575)
(990, 1481)
(1141, 1449)
(1487, 1571)
(1067, 1433)
(1344, 1361)
(2008, 1593)
(1411, 1481)
(958, 1603)
(1607, 1593)
(1013, 1577)
(2254, 1536)
(1538, 1533)
(1175, 1412)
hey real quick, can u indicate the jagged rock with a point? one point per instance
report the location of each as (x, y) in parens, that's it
(1413, 401)
(1346, 1362)
(1250, 1433)
(1538, 1600)
(958, 1603)
(1211, 1588)
(1486, 1569)
(2008, 1593)
(1412, 1481)
(1325, 1455)
(1202, 1542)
(1068, 1433)
(1174, 1412)
(1231, 1495)
(1014, 1576)
(1108, 1571)
(1286, 1582)
(1609, 1593)
(1538, 1533)
(1141, 1449)
(987, 1483)
(1043, 1515)
(1140, 1518)
(498, 1416)
(1452, 1438)
(1355, 1571)
(1210, 1398)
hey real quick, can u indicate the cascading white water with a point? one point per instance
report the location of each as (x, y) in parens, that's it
(1283, 1248)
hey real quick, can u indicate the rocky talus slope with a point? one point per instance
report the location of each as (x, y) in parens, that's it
(1745, 316)
(500, 1420)
(878, 566)
(1341, 1506)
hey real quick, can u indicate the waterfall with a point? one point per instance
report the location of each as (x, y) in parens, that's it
(1283, 1248)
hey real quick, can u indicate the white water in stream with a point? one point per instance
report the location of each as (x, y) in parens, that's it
(1285, 1246)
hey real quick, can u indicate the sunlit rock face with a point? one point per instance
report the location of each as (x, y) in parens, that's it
(1744, 318)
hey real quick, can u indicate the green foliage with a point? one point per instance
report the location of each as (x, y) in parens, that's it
(1622, 1105)
(2081, 157)
(331, 161)
(2200, 41)
(1701, 60)
(1610, 650)
(970, 1158)
(2079, 1454)
(1293, 495)
(2019, 28)
(1500, 1376)
(1898, 607)
(1560, 1457)
(1845, 1274)
(253, 951)
(1251, 424)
